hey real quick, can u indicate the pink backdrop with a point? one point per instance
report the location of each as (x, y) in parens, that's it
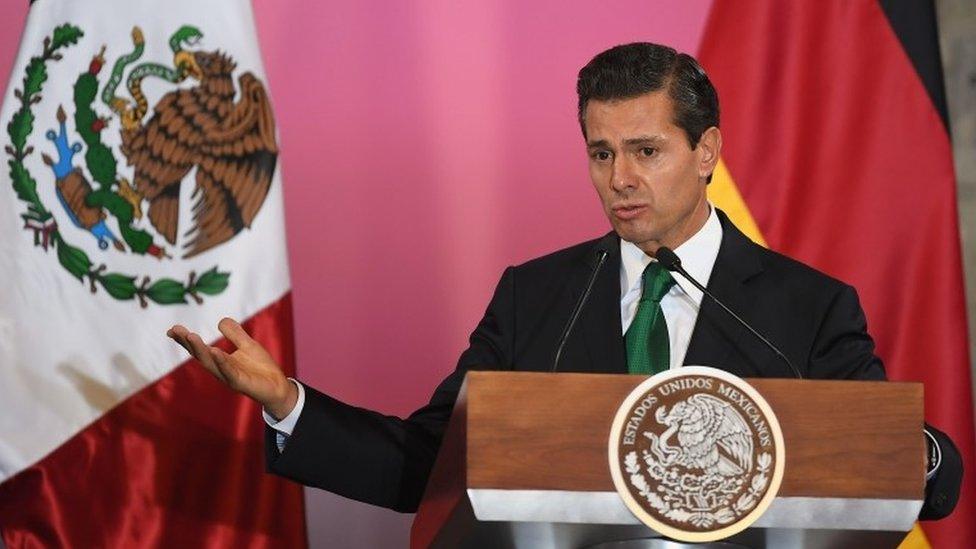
(425, 146)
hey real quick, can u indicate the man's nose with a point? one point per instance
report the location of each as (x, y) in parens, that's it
(623, 176)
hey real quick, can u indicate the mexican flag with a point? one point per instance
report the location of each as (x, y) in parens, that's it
(141, 189)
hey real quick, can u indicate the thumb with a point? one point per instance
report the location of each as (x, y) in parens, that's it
(234, 332)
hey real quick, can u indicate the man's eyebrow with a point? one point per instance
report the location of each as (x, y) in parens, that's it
(639, 140)
(644, 140)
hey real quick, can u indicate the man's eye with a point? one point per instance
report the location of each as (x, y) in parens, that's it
(602, 155)
(647, 151)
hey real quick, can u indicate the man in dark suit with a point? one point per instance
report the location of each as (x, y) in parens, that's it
(650, 119)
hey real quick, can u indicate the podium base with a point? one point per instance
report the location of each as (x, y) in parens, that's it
(657, 543)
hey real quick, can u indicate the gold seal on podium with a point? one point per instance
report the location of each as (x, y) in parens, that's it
(696, 453)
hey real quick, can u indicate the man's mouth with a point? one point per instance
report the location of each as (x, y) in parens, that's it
(626, 212)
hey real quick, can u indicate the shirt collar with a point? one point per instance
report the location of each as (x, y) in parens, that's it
(697, 254)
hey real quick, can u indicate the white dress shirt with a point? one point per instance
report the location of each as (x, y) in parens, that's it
(680, 305)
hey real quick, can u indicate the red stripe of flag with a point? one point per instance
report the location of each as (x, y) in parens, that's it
(178, 464)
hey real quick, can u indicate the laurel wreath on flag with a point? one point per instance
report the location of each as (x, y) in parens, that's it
(163, 291)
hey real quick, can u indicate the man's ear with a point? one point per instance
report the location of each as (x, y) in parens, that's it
(710, 145)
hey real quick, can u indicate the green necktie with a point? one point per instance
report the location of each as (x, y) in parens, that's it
(648, 347)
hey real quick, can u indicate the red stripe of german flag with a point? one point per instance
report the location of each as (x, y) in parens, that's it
(833, 137)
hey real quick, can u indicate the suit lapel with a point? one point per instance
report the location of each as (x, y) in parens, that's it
(716, 333)
(600, 319)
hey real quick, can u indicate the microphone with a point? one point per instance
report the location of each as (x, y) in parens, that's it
(670, 261)
(601, 254)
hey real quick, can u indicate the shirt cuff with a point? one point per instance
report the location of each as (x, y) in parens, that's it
(287, 424)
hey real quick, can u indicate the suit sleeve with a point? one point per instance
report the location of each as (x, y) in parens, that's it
(844, 350)
(385, 460)
(942, 490)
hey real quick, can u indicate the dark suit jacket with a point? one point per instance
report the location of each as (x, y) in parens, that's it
(815, 320)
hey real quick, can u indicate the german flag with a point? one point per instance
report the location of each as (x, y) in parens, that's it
(837, 153)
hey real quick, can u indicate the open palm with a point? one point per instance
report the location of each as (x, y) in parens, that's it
(249, 370)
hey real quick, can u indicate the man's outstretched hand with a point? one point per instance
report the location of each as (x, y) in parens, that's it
(249, 370)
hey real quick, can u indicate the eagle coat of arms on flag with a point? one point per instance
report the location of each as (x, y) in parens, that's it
(216, 135)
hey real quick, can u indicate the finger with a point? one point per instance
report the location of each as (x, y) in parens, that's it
(179, 334)
(202, 353)
(226, 367)
(182, 342)
(178, 330)
(234, 332)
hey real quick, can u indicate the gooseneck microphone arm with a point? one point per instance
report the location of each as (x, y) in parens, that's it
(601, 259)
(670, 261)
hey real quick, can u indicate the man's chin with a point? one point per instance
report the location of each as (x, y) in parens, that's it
(638, 238)
(628, 230)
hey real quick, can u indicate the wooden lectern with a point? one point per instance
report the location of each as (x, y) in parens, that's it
(524, 464)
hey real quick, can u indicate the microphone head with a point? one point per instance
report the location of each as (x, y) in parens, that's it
(667, 258)
(597, 257)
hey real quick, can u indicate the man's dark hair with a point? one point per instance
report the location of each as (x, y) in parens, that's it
(629, 70)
